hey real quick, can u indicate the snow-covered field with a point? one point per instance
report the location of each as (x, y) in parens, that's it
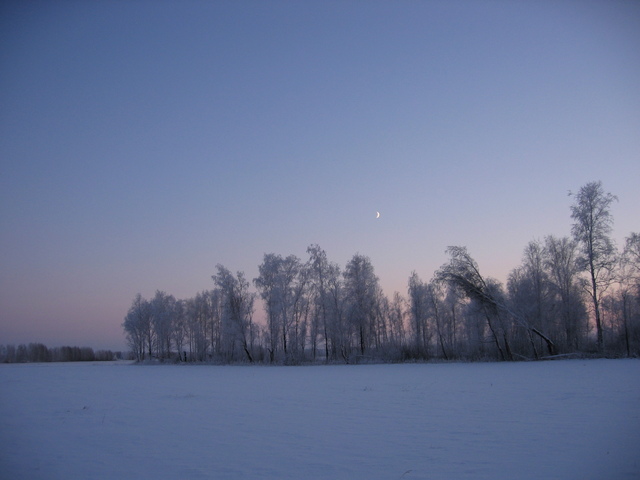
(569, 419)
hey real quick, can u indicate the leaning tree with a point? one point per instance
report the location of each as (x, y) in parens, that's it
(462, 272)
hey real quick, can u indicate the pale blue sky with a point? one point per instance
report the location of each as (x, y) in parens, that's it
(142, 143)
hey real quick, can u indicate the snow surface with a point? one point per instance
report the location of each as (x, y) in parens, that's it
(570, 419)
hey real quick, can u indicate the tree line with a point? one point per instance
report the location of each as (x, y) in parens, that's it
(38, 352)
(570, 295)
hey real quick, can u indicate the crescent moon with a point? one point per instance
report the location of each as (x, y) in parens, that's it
(377, 214)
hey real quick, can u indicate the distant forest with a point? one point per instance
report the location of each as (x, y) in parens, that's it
(38, 352)
(577, 295)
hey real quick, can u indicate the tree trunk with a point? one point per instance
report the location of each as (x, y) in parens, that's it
(596, 307)
(495, 337)
(246, 350)
(550, 345)
(625, 322)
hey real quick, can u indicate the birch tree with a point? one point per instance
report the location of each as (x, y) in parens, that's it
(563, 273)
(213, 300)
(361, 291)
(269, 289)
(137, 327)
(282, 285)
(437, 313)
(419, 315)
(179, 326)
(592, 228)
(530, 292)
(463, 273)
(628, 294)
(325, 287)
(397, 316)
(237, 303)
(162, 308)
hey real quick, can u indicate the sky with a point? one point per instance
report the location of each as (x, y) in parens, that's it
(142, 143)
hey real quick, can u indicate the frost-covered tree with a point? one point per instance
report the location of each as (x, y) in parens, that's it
(38, 352)
(137, 327)
(438, 312)
(300, 313)
(419, 315)
(198, 313)
(237, 312)
(326, 297)
(179, 326)
(214, 308)
(397, 315)
(269, 288)
(382, 329)
(631, 257)
(592, 227)
(453, 304)
(282, 284)
(162, 317)
(361, 292)
(531, 294)
(339, 332)
(566, 285)
(488, 296)
(627, 297)
(8, 354)
(462, 272)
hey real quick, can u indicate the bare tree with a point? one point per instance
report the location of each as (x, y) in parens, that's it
(592, 227)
